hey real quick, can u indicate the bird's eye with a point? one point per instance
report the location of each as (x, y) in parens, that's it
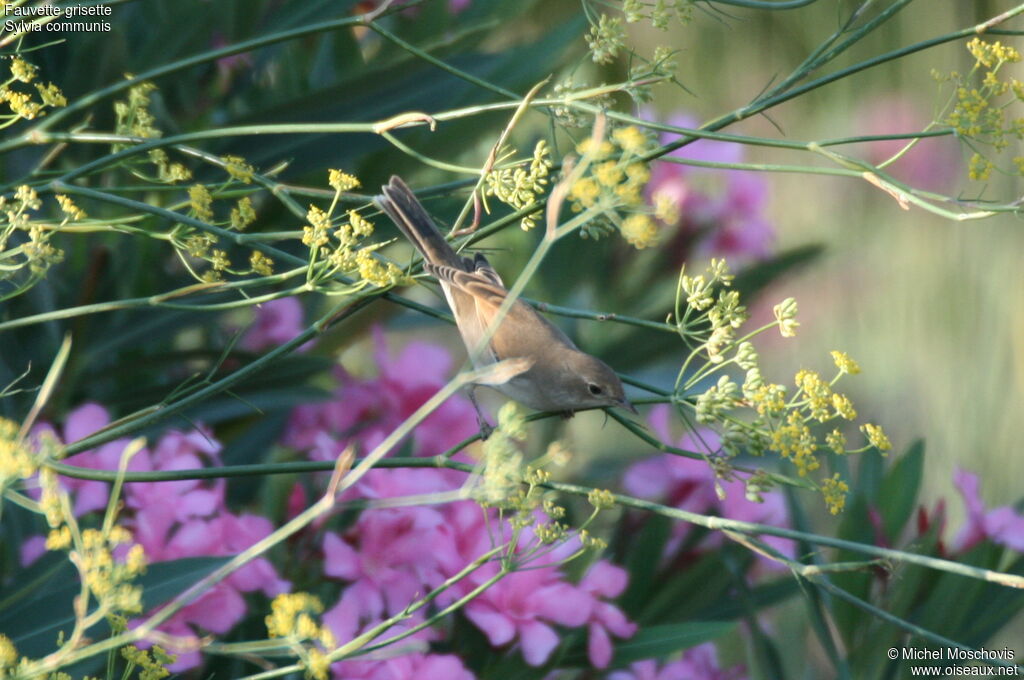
(594, 389)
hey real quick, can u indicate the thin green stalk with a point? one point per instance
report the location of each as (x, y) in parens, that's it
(724, 524)
(815, 575)
(152, 416)
(235, 237)
(412, 49)
(764, 4)
(208, 56)
(707, 521)
(453, 607)
(160, 301)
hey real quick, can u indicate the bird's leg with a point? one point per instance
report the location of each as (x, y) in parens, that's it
(566, 415)
(485, 428)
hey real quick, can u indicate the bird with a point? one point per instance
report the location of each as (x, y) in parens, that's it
(560, 377)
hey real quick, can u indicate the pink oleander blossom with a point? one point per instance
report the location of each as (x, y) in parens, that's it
(1003, 525)
(173, 520)
(391, 556)
(88, 495)
(347, 619)
(364, 412)
(522, 607)
(275, 323)
(698, 663)
(605, 581)
(729, 222)
(933, 163)
(414, 666)
(689, 484)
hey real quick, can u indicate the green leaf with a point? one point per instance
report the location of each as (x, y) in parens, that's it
(657, 642)
(642, 560)
(34, 629)
(898, 494)
(762, 596)
(756, 277)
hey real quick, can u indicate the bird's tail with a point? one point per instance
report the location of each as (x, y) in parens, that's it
(409, 215)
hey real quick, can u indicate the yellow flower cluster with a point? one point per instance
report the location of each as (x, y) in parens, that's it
(605, 39)
(334, 250)
(201, 205)
(834, 490)
(982, 104)
(876, 436)
(659, 12)
(261, 264)
(16, 460)
(295, 616)
(844, 363)
(200, 202)
(243, 214)
(134, 119)
(239, 169)
(520, 184)
(611, 186)
(776, 421)
(152, 663)
(640, 231)
(8, 654)
(21, 104)
(724, 312)
(109, 580)
(36, 252)
(785, 314)
(992, 55)
(342, 181)
(793, 440)
(503, 469)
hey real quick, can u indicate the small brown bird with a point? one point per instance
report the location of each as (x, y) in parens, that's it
(561, 377)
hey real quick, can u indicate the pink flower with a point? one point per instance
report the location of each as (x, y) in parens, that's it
(730, 222)
(605, 580)
(173, 520)
(346, 622)
(389, 557)
(276, 322)
(393, 555)
(523, 605)
(414, 666)
(1003, 526)
(707, 150)
(933, 163)
(689, 484)
(367, 411)
(973, 532)
(698, 663)
(674, 480)
(32, 549)
(81, 422)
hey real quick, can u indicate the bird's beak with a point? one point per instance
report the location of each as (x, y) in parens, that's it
(625, 403)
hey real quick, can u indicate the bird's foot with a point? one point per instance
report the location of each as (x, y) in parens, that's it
(566, 415)
(486, 429)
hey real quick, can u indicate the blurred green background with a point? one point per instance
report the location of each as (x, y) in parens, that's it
(933, 309)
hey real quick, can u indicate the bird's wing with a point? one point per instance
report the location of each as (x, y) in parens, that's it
(522, 333)
(481, 266)
(409, 215)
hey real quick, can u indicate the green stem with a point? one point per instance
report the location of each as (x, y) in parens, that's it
(151, 416)
(709, 522)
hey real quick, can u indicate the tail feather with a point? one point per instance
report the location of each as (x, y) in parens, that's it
(409, 215)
